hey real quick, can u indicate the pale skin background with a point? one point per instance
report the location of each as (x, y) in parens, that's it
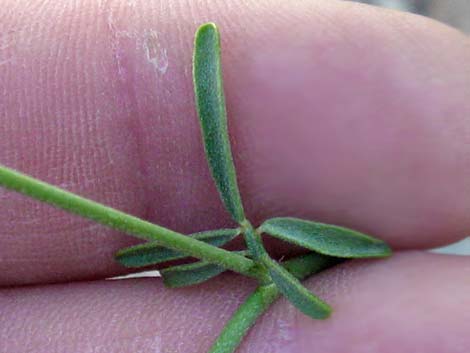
(338, 112)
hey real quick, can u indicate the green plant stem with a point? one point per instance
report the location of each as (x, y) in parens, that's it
(262, 298)
(253, 241)
(244, 318)
(121, 221)
(151, 253)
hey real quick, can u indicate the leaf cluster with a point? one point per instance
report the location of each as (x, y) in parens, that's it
(327, 244)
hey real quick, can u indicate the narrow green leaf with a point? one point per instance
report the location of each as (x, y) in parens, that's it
(253, 241)
(210, 104)
(261, 299)
(305, 265)
(296, 293)
(190, 274)
(152, 253)
(193, 273)
(325, 238)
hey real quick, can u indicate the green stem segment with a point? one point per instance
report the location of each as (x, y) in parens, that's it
(262, 298)
(121, 221)
(151, 253)
(244, 318)
(253, 241)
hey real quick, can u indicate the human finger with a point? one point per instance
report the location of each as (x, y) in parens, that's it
(410, 303)
(338, 112)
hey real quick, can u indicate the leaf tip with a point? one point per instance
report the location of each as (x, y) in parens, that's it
(325, 314)
(120, 256)
(387, 250)
(209, 28)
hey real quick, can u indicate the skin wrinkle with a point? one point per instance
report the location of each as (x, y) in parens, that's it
(126, 71)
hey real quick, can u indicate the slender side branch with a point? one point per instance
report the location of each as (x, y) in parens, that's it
(261, 299)
(244, 318)
(121, 221)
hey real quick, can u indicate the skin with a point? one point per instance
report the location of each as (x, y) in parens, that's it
(338, 112)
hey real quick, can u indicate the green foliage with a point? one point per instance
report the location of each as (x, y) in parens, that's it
(296, 293)
(261, 299)
(210, 105)
(325, 238)
(329, 242)
(244, 318)
(190, 274)
(305, 265)
(152, 253)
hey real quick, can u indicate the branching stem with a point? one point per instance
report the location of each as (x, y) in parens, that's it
(121, 221)
(261, 299)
